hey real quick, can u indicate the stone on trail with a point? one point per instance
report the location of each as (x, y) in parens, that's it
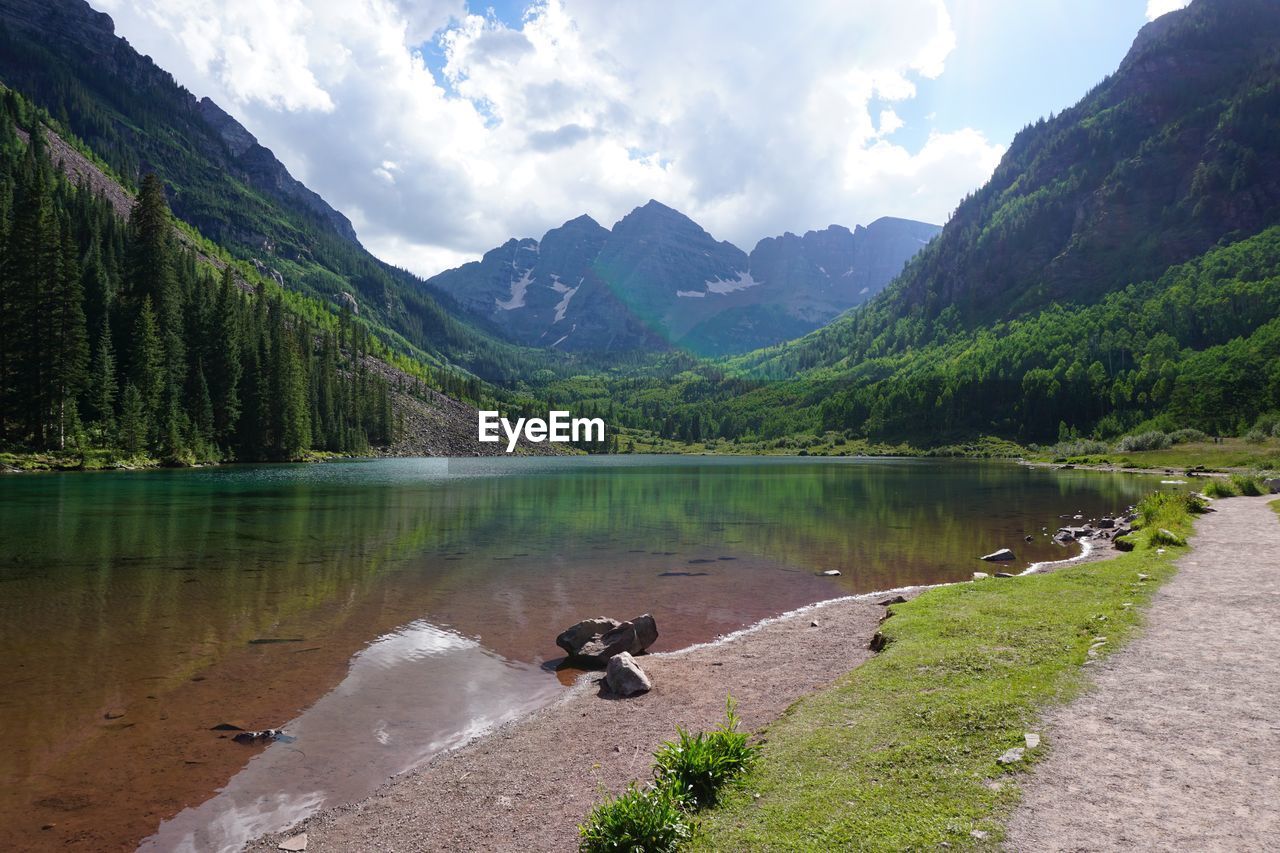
(999, 556)
(624, 677)
(296, 844)
(1012, 756)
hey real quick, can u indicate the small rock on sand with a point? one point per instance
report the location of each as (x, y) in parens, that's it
(296, 844)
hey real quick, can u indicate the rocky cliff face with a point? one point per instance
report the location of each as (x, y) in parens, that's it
(658, 279)
(46, 43)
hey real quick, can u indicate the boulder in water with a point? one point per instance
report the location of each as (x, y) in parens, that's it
(595, 641)
(573, 639)
(999, 556)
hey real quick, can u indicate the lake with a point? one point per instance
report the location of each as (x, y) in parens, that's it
(382, 611)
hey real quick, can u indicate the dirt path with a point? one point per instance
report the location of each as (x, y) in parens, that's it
(1178, 747)
(529, 785)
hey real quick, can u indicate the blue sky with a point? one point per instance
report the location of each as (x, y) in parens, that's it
(442, 128)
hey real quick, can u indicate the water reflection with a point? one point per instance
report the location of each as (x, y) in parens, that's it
(408, 696)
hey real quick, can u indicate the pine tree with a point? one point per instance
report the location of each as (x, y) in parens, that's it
(102, 385)
(152, 274)
(225, 366)
(132, 436)
(69, 350)
(146, 369)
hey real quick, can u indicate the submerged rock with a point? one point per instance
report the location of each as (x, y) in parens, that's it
(595, 641)
(624, 677)
(264, 736)
(999, 556)
(831, 573)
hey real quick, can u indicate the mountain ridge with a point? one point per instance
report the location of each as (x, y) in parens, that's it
(658, 279)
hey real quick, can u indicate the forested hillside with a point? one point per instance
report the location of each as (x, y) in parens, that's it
(64, 57)
(113, 335)
(1121, 268)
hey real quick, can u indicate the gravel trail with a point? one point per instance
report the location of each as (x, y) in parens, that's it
(1178, 745)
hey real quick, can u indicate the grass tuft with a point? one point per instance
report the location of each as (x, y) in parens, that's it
(641, 818)
(698, 766)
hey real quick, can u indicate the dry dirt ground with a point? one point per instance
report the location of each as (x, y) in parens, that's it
(1178, 745)
(529, 785)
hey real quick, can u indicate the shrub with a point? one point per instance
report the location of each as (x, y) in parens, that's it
(1154, 440)
(696, 767)
(646, 818)
(1219, 488)
(1186, 436)
(1246, 485)
(1078, 447)
(1255, 436)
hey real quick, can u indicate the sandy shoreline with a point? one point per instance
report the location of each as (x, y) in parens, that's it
(528, 784)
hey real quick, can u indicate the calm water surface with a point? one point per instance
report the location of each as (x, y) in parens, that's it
(382, 611)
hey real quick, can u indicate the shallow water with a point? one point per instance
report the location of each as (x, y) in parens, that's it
(381, 611)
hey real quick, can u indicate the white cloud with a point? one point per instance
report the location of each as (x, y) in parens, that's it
(1156, 8)
(751, 120)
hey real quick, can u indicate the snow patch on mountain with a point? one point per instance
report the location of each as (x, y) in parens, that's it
(563, 304)
(519, 288)
(729, 285)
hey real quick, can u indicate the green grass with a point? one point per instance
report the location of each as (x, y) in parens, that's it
(89, 460)
(1275, 505)
(1238, 484)
(1232, 454)
(902, 752)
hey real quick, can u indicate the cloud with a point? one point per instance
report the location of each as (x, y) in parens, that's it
(442, 133)
(1156, 8)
